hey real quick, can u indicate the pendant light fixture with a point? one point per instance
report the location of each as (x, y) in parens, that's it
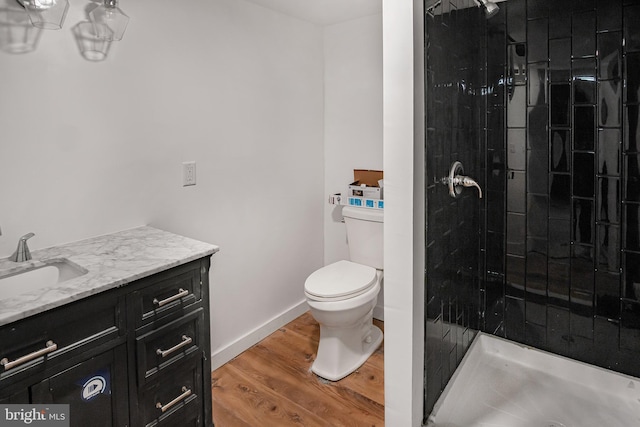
(17, 33)
(46, 14)
(110, 21)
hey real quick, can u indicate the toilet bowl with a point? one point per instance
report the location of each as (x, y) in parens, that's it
(341, 297)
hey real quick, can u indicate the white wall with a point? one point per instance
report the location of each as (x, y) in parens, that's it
(352, 119)
(404, 249)
(353, 115)
(91, 148)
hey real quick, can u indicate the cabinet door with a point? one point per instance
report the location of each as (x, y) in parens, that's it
(16, 397)
(96, 390)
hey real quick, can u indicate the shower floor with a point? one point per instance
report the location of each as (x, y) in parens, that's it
(503, 384)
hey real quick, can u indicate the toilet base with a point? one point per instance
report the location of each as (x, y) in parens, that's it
(343, 350)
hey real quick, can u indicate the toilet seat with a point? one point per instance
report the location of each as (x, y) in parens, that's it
(340, 281)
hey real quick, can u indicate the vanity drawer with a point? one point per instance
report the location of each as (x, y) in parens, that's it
(58, 335)
(165, 296)
(170, 346)
(174, 400)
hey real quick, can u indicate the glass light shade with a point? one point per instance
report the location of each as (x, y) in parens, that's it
(110, 21)
(46, 14)
(91, 47)
(17, 34)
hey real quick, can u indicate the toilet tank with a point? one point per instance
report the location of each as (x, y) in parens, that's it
(364, 235)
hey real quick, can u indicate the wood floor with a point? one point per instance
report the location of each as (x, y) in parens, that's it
(271, 385)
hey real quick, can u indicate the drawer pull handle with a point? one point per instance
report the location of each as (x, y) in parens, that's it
(185, 342)
(181, 293)
(50, 346)
(164, 408)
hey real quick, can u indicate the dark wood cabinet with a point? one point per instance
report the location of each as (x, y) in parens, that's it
(95, 386)
(172, 365)
(173, 398)
(17, 397)
(138, 355)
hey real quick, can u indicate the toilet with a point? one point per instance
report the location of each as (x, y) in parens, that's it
(341, 297)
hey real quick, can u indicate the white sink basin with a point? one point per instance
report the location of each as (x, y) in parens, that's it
(35, 278)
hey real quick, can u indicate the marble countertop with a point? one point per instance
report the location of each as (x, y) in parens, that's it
(111, 261)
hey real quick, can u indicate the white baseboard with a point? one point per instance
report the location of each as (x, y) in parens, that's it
(225, 354)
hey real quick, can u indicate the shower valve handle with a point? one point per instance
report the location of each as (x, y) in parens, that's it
(466, 181)
(456, 181)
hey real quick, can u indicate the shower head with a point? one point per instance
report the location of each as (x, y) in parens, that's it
(490, 8)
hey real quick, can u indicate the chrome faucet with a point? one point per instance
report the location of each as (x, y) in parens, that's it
(22, 252)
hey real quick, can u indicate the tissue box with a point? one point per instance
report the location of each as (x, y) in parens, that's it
(365, 184)
(365, 203)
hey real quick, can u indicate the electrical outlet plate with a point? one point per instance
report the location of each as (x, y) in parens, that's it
(188, 173)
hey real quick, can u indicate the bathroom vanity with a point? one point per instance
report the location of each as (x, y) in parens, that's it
(125, 343)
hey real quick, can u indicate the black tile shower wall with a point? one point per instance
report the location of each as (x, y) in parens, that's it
(541, 103)
(572, 175)
(456, 132)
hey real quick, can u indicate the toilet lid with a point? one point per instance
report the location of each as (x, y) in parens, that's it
(340, 279)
